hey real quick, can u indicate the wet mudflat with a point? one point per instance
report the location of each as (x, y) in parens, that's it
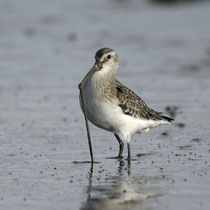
(46, 48)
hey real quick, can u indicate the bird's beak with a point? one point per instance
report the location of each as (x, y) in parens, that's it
(91, 72)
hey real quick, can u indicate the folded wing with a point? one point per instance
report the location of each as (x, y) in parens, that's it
(133, 105)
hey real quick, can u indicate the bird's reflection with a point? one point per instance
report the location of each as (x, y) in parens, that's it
(124, 167)
(89, 187)
(121, 191)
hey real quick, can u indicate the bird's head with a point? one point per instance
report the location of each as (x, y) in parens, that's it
(106, 63)
(107, 60)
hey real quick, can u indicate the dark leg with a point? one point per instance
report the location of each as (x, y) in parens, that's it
(121, 146)
(129, 151)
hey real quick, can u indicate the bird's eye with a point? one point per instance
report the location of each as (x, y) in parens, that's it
(108, 56)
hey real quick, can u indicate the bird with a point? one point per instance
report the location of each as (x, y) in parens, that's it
(112, 106)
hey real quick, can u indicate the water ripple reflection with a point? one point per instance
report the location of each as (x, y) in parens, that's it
(122, 191)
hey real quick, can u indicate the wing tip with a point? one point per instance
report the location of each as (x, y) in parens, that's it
(168, 119)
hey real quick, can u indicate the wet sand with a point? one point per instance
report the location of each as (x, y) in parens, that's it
(46, 48)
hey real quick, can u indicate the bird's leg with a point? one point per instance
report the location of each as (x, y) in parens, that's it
(129, 151)
(121, 146)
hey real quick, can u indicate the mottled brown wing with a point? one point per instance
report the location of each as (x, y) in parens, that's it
(133, 105)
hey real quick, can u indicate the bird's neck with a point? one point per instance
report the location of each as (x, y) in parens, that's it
(101, 80)
(102, 86)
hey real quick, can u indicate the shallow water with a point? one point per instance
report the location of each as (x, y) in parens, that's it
(46, 48)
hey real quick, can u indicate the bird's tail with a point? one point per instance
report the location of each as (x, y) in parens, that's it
(168, 119)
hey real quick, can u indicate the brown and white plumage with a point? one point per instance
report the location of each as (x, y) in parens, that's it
(112, 106)
(133, 105)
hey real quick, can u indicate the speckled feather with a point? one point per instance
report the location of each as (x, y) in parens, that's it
(133, 105)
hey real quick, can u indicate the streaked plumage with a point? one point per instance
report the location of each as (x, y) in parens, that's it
(133, 105)
(112, 106)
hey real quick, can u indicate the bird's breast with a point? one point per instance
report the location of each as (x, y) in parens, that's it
(99, 105)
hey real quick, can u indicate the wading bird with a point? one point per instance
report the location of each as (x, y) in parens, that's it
(109, 105)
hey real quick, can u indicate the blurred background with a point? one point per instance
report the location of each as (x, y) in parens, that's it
(47, 47)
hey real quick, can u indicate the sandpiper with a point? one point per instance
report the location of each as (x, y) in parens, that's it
(112, 106)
